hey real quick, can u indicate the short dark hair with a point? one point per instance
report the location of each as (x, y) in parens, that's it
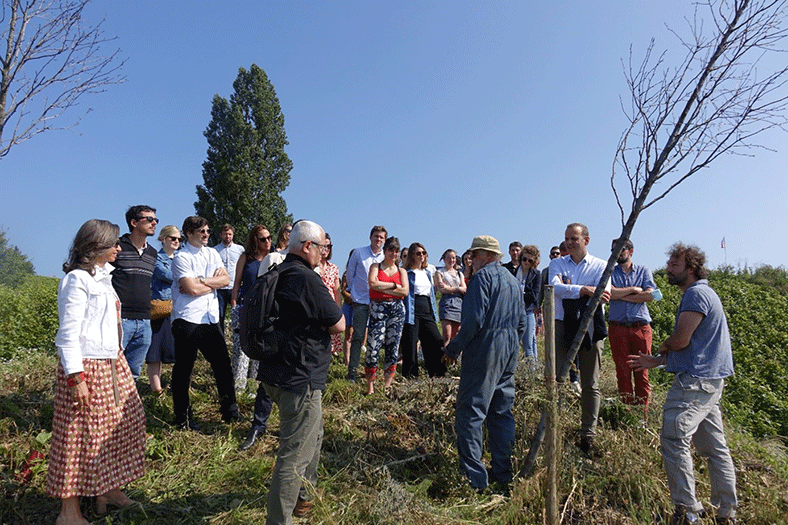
(376, 229)
(693, 257)
(133, 213)
(583, 228)
(226, 227)
(627, 244)
(193, 223)
(514, 244)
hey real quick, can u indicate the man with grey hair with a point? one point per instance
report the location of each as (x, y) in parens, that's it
(493, 322)
(296, 377)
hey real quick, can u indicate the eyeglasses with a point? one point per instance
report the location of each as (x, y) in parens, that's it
(204, 231)
(174, 239)
(321, 247)
(264, 239)
(147, 218)
(555, 254)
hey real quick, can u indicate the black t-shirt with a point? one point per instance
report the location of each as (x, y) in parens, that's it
(306, 309)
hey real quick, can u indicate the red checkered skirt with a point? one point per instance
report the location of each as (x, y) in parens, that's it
(103, 447)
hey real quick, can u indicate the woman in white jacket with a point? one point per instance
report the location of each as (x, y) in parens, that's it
(98, 428)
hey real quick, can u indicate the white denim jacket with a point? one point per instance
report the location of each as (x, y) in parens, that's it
(88, 310)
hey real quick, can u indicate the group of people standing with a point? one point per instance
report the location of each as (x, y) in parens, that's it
(114, 317)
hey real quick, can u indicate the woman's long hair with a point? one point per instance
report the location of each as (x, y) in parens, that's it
(93, 238)
(411, 260)
(253, 247)
(281, 242)
(392, 243)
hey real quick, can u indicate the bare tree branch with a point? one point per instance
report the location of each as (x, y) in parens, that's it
(52, 58)
(682, 119)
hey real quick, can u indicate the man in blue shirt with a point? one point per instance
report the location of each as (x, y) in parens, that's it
(229, 253)
(573, 277)
(358, 285)
(699, 353)
(493, 322)
(630, 323)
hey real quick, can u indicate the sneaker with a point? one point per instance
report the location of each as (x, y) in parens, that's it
(574, 387)
(681, 516)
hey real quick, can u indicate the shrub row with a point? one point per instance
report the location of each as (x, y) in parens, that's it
(28, 315)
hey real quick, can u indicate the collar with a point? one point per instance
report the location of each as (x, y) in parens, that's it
(190, 248)
(102, 272)
(293, 257)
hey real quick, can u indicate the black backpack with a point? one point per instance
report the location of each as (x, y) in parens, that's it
(259, 313)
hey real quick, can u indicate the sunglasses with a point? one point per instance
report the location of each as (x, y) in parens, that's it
(149, 219)
(419, 254)
(174, 239)
(526, 259)
(204, 231)
(264, 239)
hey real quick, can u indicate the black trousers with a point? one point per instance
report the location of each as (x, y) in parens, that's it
(423, 329)
(208, 339)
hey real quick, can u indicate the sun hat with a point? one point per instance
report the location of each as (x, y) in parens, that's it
(486, 242)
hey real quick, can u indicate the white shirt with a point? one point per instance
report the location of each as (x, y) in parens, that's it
(89, 314)
(421, 283)
(269, 260)
(229, 256)
(568, 278)
(194, 262)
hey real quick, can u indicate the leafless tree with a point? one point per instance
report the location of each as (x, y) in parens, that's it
(683, 118)
(52, 57)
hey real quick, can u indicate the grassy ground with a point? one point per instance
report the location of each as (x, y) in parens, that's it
(384, 460)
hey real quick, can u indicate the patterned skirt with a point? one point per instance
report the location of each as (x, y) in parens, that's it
(103, 447)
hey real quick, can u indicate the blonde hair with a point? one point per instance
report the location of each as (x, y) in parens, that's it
(169, 231)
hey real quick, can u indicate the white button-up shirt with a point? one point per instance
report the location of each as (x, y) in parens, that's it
(89, 314)
(194, 262)
(568, 278)
(229, 256)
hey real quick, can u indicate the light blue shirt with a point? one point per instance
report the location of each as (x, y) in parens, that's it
(708, 355)
(625, 311)
(569, 278)
(229, 256)
(358, 273)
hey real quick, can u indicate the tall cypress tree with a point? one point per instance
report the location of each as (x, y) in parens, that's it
(247, 168)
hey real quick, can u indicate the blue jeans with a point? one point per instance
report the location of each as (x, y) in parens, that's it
(136, 341)
(529, 337)
(486, 395)
(360, 318)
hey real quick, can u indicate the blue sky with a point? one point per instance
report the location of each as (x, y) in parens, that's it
(440, 120)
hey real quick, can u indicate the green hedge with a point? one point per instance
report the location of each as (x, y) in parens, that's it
(28, 315)
(756, 397)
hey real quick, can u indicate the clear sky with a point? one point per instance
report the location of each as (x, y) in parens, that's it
(439, 119)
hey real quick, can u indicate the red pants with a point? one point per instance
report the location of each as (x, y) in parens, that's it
(625, 341)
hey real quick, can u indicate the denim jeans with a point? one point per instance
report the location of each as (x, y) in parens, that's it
(300, 439)
(486, 396)
(360, 318)
(529, 337)
(692, 413)
(136, 341)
